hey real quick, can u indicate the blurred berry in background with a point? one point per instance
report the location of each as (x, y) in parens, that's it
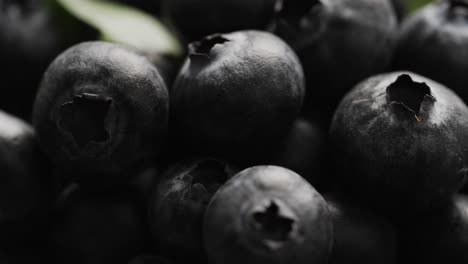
(339, 43)
(194, 19)
(33, 32)
(145, 111)
(433, 42)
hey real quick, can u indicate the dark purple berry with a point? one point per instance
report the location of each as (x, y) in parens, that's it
(101, 112)
(267, 214)
(400, 142)
(25, 199)
(195, 19)
(434, 42)
(339, 43)
(32, 35)
(236, 95)
(179, 202)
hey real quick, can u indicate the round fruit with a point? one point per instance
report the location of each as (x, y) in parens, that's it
(401, 142)
(25, 200)
(267, 214)
(179, 202)
(101, 112)
(339, 43)
(196, 19)
(236, 95)
(434, 42)
(94, 229)
(360, 236)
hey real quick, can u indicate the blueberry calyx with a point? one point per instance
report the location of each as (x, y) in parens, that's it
(408, 96)
(199, 51)
(272, 224)
(84, 118)
(206, 177)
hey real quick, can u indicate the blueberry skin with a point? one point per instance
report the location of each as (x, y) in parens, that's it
(434, 42)
(196, 19)
(359, 235)
(101, 112)
(97, 228)
(437, 237)
(236, 92)
(267, 214)
(25, 200)
(178, 204)
(400, 141)
(339, 43)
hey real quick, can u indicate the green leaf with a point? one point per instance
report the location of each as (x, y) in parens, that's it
(126, 25)
(413, 5)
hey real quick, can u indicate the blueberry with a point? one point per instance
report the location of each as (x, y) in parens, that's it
(339, 43)
(25, 200)
(236, 92)
(101, 112)
(93, 228)
(267, 214)
(437, 237)
(31, 36)
(360, 236)
(400, 142)
(195, 19)
(178, 204)
(434, 42)
(146, 259)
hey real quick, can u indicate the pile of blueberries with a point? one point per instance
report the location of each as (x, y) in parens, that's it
(292, 132)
